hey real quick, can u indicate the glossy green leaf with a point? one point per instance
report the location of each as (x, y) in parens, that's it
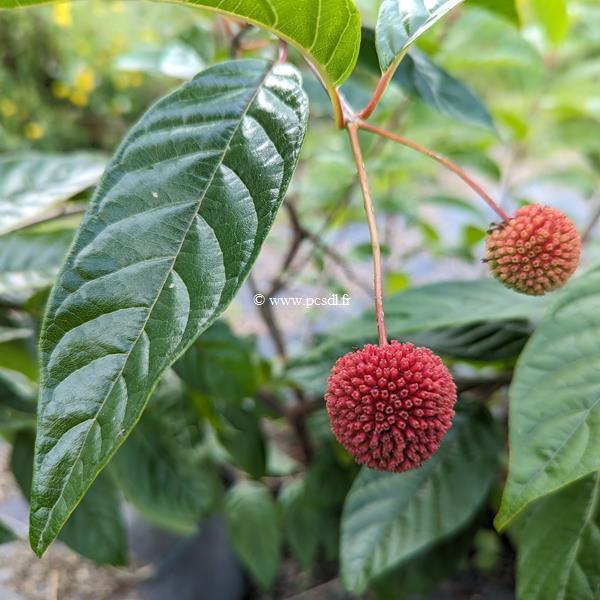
(160, 473)
(96, 528)
(17, 391)
(30, 261)
(555, 401)
(401, 23)
(6, 535)
(390, 517)
(328, 32)
(558, 548)
(253, 523)
(33, 183)
(171, 234)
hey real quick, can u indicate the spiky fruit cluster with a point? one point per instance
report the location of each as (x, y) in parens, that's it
(536, 251)
(390, 406)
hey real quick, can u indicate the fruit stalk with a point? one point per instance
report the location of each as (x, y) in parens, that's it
(372, 223)
(439, 158)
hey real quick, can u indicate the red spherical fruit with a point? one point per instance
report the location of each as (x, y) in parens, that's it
(390, 406)
(536, 251)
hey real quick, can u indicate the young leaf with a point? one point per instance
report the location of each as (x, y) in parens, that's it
(552, 16)
(555, 401)
(171, 234)
(253, 523)
(31, 184)
(96, 529)
(328, 32)
(389, 517)
(400, 24)
(558, 549)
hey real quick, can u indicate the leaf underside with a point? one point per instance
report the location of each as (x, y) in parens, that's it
(558, 549)
(389, 517)
(173, 230)
(400, 24)
(555, 401)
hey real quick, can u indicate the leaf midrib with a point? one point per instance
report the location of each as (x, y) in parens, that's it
(40, 544)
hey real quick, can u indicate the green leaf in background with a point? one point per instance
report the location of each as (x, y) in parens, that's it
(420, 77)
(253, 523)
(423, 573)
(504, 8)
(551, 15)
(423, 78)
(221, 365)
(327, 32)
(30, 261)
(301, 521)
(6, 535)
(33, 183)
(171, 234)
(555, 401)
(401, 23)
(163, 477)
(96, 528)
(558, 545)
(389, 517)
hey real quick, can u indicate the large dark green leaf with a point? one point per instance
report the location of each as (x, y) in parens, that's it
(171, 234)
(555, 401)
(253, 523)
(162, 476)
(31, 184)
(30, 261)
(328, 32)
(390, 517)
(401, 23)
(96, 529)
(558, 549)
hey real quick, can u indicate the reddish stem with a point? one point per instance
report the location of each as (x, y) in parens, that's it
(377, 270)
(283, 52)
(439, 158)
(384, 81)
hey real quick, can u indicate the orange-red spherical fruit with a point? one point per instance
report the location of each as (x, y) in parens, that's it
(536, 251)
(390, 406)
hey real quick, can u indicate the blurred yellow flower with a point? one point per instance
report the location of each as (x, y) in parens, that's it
(8, 108)
(78, 98)
(136, 79)
(61, 14)
(85, 81)
(34, 131)
(60, 89)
